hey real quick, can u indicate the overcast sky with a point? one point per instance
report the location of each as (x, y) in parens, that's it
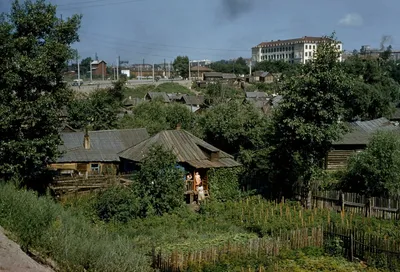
(220, 29)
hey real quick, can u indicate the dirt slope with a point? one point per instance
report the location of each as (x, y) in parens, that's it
(13, 259)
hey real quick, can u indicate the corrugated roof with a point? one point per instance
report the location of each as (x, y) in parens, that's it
(162, 95)
(186, 147)
(104, 144)
(276, 100)
(212, 74)
(228, 76)
(264, 74)
(175, 96)
(256, 95)
(362, 131)
(193, 99)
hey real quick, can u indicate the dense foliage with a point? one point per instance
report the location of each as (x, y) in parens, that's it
(308, 120)
(157, 116)
(375, 171)
(35, 47)
(181, 66)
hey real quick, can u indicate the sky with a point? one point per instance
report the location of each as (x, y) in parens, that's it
(155, 30)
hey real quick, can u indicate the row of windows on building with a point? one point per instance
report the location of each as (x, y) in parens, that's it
(282, 49)
(285, 56)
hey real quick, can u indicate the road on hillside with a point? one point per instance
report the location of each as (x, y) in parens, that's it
(86, 87)
(13, 259)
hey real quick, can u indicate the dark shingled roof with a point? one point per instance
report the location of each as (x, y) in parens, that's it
(362, 131)
(193, 99)
(104, 144)
(186, 147)
(155, 95)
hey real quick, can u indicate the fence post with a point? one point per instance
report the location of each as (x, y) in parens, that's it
(351, 257)
(342, 202)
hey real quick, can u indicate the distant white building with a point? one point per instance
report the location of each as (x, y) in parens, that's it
(203, 62)
(126, 72)
(299, 50)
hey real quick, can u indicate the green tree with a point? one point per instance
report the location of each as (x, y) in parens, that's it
(97, 111)
(307, 121)
(156, 116)
(35, 47)
(85, 66)
(376, 170)
(374, 90)
(159, 182)
(218, 93)
(233, 126)
(181, 66)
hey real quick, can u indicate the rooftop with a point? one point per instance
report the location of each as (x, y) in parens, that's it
(305, 39)
(104, 144)
(185, 146)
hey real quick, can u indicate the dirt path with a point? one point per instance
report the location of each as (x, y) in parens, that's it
(13, 259)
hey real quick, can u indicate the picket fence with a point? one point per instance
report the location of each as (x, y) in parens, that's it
(354, 244)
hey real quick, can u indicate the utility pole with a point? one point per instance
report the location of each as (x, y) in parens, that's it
(79, 71)
(91, 72)
(117, 68)
(189, 70)
(250, 68)
(103, 71)
(153, 72)
(198, 70)
(169, 70)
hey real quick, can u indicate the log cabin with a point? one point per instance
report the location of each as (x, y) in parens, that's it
(355, 141)
(193, 155)
(95, 152)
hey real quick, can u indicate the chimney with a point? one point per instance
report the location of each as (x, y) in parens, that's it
(178, 126)
(86, 140)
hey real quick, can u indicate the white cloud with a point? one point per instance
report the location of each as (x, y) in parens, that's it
(351, 19)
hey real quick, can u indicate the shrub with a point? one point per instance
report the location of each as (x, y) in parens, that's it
(117, 204)
(66, 237)
(224, 183)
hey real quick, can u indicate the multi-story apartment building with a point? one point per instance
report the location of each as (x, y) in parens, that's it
(201, 63)
(294, 50)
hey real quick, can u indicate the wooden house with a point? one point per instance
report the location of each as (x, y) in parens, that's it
(95, 152)
(192, 153)
(355, 141)
(268, 77)
(157, 96)
(193, 102)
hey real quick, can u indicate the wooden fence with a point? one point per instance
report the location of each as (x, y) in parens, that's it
(81, 185)
(383, 251)
(352, 244)
(180, 261)
(379, 207)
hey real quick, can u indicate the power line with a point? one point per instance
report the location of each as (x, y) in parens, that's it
(97, 5)
(166, 45)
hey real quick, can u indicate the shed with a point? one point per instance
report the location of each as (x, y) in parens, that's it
(208, 76)
(356, 140)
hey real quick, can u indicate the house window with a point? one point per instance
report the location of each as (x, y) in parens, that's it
(313, 46)
(306, 46)
(306, 54)
(95, 168)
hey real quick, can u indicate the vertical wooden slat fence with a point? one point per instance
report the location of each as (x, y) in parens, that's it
(180, 261)
(379, 207)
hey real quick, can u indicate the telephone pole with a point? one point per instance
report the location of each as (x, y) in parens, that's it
(117, 68)
(79, 71)
(91, 72)
(153, 72)
(189, 70)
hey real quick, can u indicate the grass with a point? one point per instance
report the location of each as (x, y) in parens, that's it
(65, 236)
(169, 87)
(77, 240)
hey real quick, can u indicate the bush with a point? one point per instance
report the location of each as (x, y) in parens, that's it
(117, 204)
(224, 183)
(66, 237)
